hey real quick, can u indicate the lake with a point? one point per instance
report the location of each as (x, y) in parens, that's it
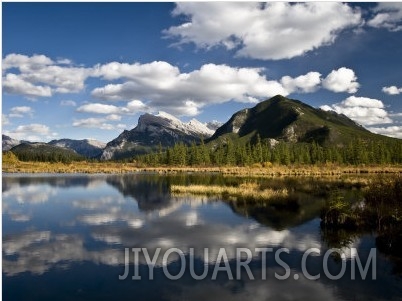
(72, 237)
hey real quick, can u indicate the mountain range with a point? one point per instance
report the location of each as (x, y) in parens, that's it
(87, 148)
(276, 119)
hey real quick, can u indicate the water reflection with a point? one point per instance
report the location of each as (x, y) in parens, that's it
(64, 181)
(56, 226)
(150, 192)
(299, 210)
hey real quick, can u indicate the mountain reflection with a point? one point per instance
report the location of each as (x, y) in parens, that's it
(299, 209)
(150, 191)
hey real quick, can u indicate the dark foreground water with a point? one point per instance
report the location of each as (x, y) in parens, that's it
(65, 238)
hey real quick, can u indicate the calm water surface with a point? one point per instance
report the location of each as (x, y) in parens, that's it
(64, 238)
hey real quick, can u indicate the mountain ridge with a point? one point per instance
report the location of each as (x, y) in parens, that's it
(89, 148)
(44, 152)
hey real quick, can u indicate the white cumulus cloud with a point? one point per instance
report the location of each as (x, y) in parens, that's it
(341, 80)
(132, 107)
(159, 85)
(15, 84)
(154, 73)
(391, 131)
(113, 117)
(274, 30)
(135, 105)
(32, 132)
(353, 101)
(366, 111)
(304, 83)
(62, 79)
(98, 108)
(168, 89)
(23, 62)
(387, 15)
(40, 76)
(20, 111)
(392, 90)
(99, 123)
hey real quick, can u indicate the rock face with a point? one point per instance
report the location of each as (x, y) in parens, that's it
(87, 148)
(154, 131)
(234, 124)
(8, 142)
(284, 119)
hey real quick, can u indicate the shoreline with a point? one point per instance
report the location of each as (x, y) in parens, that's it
(125, 168)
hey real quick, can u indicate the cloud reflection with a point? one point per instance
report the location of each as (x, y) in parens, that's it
(30, 194)
(39, 251)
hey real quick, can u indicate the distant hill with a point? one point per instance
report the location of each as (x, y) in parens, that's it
(153, 131)
(87, 148)
(8, 142)
(283, 119)
(45, 153)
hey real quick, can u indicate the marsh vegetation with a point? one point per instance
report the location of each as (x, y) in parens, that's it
(379, 212)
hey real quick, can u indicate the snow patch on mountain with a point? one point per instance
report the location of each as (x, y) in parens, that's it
(95, 143)
(162, 119)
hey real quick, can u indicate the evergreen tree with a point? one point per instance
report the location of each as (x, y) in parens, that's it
(230, 156)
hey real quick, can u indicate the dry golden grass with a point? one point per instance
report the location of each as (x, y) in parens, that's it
(245, 190)
(75, 167)
(15, 166)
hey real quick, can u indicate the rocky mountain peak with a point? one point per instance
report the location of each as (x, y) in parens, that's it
(152, 131)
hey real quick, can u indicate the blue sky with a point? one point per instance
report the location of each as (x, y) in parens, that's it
(88, 70)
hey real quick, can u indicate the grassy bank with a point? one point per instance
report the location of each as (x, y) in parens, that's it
(245, 191)
(115, 167)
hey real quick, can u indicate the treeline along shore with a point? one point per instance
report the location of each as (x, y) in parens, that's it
(11, 164)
